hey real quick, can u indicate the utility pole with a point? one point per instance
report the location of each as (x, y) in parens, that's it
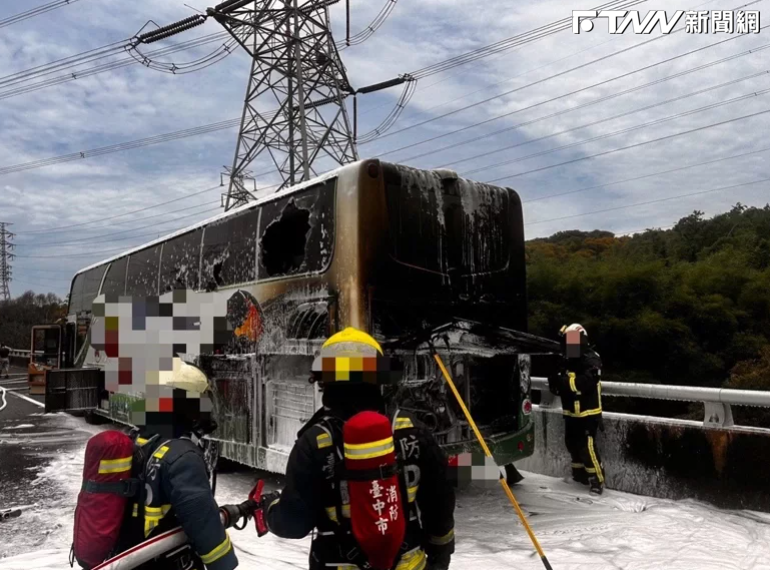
(6, 246)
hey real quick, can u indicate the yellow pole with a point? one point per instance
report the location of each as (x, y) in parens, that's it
(488, 453)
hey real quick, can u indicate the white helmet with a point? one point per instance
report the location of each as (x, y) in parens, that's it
(185, 377)
(573, 327)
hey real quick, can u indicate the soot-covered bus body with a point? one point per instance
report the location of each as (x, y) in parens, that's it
(393, 250)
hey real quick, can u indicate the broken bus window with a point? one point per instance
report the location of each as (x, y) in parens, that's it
(180, 262)
(229, 252)
(297, 232)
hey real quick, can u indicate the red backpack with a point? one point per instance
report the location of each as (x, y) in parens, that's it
(113, 473)
(377, 514)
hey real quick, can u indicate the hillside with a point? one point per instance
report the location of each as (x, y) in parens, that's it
(688, 306)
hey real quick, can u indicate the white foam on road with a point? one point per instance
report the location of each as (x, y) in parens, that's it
(577, 532)
(20, 426)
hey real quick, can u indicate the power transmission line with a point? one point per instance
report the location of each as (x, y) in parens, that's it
(485, 168)
(504, 45)
(543, 80)
(612, 151)
(68, 76)
(575, 92)
(31, 13)
(232, 123)
(576, 191)
(111, 236)
(109, 149)
(621, 131)
(649, 175)
(371, 29)
(487, 87)
(129, 213)
(648, 202)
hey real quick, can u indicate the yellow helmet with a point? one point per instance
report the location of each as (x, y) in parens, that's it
(351, 340)
(352, 355)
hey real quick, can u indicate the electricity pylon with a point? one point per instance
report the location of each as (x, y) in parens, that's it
(294, 109)
(6, 245)
(296, 69)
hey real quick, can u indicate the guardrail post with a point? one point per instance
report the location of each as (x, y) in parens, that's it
(718, 415)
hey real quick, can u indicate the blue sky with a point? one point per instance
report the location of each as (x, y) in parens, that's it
(135, 102)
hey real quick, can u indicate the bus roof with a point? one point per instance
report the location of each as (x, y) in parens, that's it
(233, 212)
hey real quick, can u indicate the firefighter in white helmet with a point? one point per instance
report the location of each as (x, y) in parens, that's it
(178, 490)
(579, 386)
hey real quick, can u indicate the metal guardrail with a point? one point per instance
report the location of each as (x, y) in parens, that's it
(20, 353)
(716, 401)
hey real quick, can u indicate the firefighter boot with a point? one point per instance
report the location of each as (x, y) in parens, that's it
(579, 474)
(597, 487)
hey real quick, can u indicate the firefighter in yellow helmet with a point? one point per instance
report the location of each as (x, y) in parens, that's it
(579, 386)
(351, 369)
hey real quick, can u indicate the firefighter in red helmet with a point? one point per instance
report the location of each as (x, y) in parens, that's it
(319, 490)
(579, 386)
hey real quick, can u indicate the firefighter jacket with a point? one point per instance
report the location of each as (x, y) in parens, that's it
(579, 387)
(178, 493)
(313, 497)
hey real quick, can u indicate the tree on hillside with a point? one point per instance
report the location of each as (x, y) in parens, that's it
(688, 306)
(19, 315)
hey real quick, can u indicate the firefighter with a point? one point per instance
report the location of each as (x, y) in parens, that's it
(313, 496)
(5, 359)
(579, 386)
(178, 491)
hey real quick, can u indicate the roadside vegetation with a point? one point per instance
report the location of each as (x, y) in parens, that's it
(685, 306)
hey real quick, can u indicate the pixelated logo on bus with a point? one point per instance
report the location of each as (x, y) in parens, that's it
(473, 467)
(136, 338)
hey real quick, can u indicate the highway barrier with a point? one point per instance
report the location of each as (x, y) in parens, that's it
(711, 460)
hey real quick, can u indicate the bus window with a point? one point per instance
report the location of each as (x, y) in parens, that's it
(229, 250)
(180, 262)
(142, 274)
(297, 232)
(85, 289)
(115, 282)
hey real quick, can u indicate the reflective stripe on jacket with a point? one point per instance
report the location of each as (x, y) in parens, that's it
(311, 500)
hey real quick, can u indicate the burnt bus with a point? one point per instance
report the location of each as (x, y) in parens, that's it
(399, 252)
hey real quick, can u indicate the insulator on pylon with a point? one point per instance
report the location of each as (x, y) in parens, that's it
(230, 5)
(192, 21)
(174, 31)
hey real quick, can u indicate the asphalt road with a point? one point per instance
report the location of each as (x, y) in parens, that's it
(17, 396)
(30, 441)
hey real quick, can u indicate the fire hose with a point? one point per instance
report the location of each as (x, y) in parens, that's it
(13, 512)
(175, 538)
